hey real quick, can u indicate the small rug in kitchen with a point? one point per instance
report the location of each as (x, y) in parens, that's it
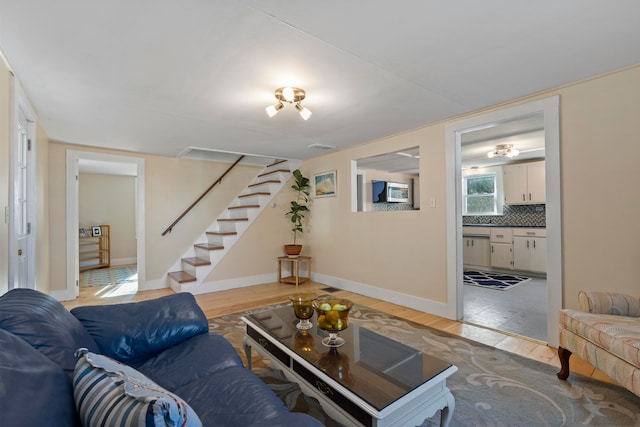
(499, 281)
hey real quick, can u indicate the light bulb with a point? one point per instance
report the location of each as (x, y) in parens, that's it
(491, 154)
(288, 94)
(305, 113)
(272, 110)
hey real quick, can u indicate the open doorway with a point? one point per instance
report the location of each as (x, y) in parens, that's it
(549, 108)
(504, 222)
(104, 176)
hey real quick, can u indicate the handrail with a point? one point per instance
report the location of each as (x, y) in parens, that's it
(186, 211)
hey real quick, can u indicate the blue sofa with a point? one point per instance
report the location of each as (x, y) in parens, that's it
(166, 339)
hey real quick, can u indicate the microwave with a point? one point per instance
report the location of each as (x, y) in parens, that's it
(389, 192)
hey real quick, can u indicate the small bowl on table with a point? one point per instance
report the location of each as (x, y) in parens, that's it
(333, 317)
(303, 309)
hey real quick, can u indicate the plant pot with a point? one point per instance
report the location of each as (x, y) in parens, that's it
(293, 251)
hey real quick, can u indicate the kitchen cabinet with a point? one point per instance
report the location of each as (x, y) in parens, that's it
(530, 250)
(476, 251)
(501, 241)
(524, 183)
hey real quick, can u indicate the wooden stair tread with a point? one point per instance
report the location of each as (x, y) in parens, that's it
(257, 193)
(273, 171)
(269, 181)
(222, 233)
(232, 219)
(244, 207)
(277, 162)
(208, 246)
(195, 261)
(182, 276)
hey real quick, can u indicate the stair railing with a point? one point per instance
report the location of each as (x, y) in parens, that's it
(186, 211)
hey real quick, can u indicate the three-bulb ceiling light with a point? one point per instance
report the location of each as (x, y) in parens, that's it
(505, 150)
(290, 95)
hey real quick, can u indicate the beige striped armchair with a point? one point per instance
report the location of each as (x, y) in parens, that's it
(606, 333)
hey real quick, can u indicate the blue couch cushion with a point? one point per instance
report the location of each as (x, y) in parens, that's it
(46, 324)
(109, 393)
(193, 359)
(134, 332)
(241, 399)
(34, 390)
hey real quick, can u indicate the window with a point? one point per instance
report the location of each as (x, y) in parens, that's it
(482, 192)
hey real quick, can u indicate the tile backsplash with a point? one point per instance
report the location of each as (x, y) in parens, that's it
(527, 215)
(378, 207)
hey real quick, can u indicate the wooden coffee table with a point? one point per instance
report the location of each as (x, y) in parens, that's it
(370, 381)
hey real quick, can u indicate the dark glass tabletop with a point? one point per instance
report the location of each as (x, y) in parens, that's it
(377, 369)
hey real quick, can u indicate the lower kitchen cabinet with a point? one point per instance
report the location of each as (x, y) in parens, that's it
(530, 253)
(476, 251)
(502, 255)
(502, 248)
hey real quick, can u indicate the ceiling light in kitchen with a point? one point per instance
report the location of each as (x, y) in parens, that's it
(505, 150)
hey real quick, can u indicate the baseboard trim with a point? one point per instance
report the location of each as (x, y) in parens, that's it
(411, 301)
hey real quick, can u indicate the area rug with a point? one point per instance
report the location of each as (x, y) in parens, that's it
(489, 280)
(492, 387)
(109, 276)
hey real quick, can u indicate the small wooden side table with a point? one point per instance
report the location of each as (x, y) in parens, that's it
(295, 270)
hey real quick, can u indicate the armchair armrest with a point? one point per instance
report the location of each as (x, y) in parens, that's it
(609, 303)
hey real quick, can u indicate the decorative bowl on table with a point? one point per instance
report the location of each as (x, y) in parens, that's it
(333, 317)
(303, 309)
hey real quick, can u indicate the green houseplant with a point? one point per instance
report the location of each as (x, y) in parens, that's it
(297, 210)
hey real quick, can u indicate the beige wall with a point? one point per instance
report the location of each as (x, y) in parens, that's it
(171, 185)
(404, 251)
(110, 200)
(401, 251)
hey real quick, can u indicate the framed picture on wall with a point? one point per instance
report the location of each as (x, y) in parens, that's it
(96, 230)
(324, 184)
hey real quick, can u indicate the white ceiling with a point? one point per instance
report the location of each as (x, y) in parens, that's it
(159, 76)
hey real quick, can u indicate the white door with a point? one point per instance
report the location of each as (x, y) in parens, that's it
(21, 252)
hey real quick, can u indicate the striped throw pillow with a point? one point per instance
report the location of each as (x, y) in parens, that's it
(107, 392)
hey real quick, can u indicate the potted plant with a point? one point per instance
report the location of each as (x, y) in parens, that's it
(298, 208)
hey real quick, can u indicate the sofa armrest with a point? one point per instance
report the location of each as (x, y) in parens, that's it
(609, 303)
(134, 332)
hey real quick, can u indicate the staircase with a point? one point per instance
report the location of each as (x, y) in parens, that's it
(188, 274)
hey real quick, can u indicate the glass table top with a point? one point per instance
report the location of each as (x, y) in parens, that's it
(376, 368)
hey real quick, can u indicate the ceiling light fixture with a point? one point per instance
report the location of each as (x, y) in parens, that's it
(291, 95)
(505, 150)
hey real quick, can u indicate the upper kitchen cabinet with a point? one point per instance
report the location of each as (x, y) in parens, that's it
(524, 183)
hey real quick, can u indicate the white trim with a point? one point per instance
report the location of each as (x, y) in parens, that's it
(73, 158)
(551, 108)
(421, 304)
(213, 286)
(21, 103)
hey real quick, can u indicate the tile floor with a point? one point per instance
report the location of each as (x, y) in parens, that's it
(521, 310)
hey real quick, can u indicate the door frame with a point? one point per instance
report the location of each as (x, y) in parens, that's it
(20, 103)
(551, 109)
(73, 159)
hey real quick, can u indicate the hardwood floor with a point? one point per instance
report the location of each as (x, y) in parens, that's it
(216, 304)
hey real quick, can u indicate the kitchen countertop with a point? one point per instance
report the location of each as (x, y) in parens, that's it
(504, 225)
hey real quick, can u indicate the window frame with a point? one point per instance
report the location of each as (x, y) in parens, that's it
(498, 195)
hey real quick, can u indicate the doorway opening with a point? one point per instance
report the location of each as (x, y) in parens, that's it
(455, 133)
(126, 272)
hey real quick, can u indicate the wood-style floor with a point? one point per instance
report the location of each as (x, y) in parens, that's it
(216, 304)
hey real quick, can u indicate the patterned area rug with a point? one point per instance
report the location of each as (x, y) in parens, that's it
(109, 276)
(492, 387)
(501, 282)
